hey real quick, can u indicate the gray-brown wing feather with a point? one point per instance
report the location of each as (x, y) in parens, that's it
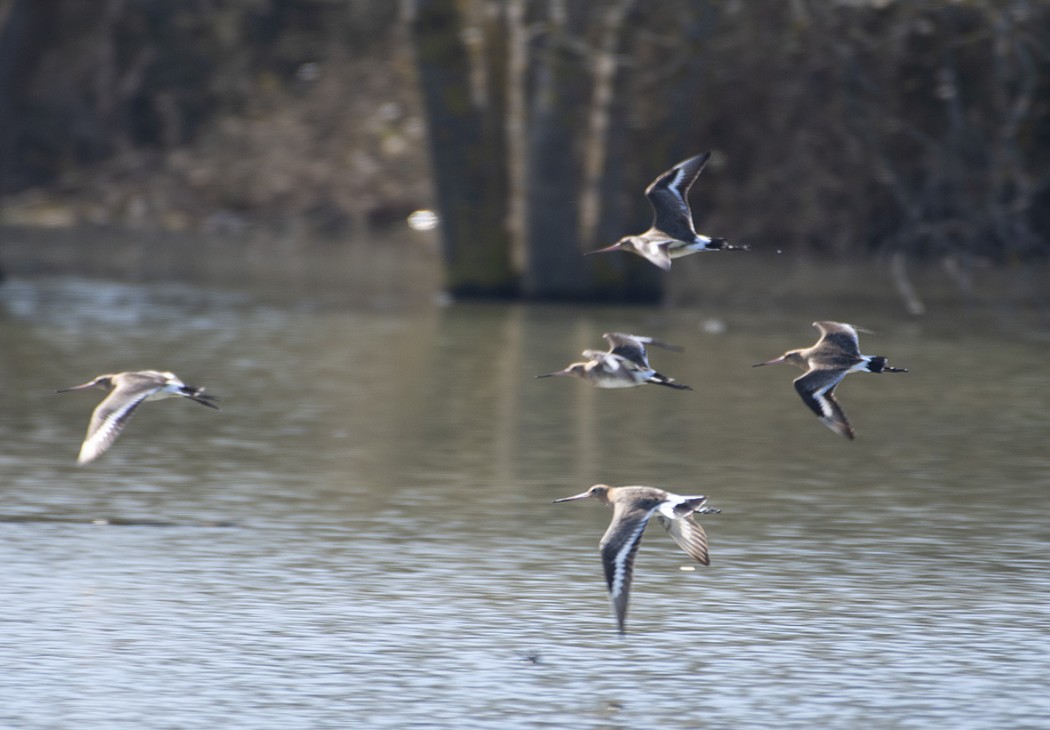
(668, 196)
(619, 546)
(658, 254)
(632, 347)
(109, 419)
(840, 336)
(606, 362)
(628, 347)
(689, 535)
(817, 390)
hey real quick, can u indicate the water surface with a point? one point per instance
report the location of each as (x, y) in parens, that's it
(364, 535)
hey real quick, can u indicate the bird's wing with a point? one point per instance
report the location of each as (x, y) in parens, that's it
(843, 336)
(629, 347)
(605, 361)
(668, 196)
(619, 545)
(656, 253)
(689, 535)
(817, 390)
(660, 343)
(109, 418)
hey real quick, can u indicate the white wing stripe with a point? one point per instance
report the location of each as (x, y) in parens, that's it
(620, 576)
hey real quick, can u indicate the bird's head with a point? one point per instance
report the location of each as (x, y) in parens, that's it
(577, 369)
(102, 381)
(791, 357)
(598, 491)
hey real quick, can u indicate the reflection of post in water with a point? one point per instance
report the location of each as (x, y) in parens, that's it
(507, 406)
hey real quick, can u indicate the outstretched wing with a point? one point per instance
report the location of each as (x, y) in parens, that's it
(632, 347)
(657, 252)
(840, 335)
(629, 347)
(817, 390)
(689, 535)
(619, 545)
(668, 196)
(108, 420)
(606, 362)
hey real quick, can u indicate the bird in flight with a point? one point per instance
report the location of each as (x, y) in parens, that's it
(672, 234)
(624, 365)
(835, 355)
(633, 507)
(127, 392)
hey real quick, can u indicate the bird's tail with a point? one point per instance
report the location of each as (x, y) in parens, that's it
(197, 395)
(657, 379)
(689, 505)
(877, 364)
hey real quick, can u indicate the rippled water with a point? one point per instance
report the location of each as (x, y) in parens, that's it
(364, 535)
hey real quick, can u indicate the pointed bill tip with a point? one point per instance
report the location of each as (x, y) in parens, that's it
(774, 361)
(82, 386)
(607, 249)
(582, 495)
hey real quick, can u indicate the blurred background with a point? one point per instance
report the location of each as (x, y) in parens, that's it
(907, 134)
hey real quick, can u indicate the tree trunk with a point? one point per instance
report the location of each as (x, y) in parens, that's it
(554, 266)
(468, 166)
(621, 204)
(23, 39)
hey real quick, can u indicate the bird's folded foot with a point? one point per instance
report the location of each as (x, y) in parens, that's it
(721, 244)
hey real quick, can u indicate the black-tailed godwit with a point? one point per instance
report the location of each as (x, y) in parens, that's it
(672, 234)
(624, 365)
(632, 509)
(127, 392)
(835, 355)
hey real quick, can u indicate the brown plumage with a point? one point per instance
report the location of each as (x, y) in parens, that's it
(127, 392)
(632, 509)
(672, 233)
(835, 355)
(624, 365)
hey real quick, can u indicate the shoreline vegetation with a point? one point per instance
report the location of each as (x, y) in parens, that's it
(909, 137)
